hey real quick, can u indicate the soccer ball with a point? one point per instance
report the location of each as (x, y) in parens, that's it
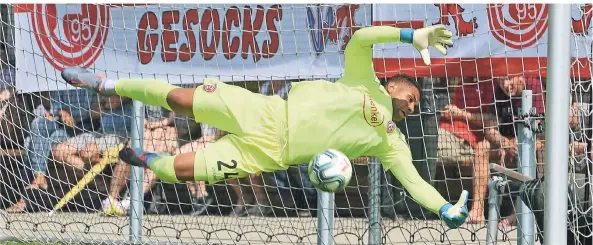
(330, 171)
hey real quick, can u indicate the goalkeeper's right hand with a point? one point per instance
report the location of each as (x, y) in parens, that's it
(436, 36)
(455, 215)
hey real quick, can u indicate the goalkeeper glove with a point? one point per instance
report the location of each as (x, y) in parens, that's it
(455, 215)
(436, 36)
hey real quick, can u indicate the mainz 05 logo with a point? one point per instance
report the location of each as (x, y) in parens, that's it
(518, 25)
(70, 35)
(331, 24)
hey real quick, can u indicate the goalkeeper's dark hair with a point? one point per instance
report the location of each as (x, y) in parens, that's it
(402, 78)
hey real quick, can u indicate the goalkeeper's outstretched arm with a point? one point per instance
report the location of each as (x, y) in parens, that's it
(358, 56)
(427, 196)
(399, 162)
(424, 193)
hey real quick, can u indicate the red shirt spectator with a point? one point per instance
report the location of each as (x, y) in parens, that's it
(501, 97)
(475, 96)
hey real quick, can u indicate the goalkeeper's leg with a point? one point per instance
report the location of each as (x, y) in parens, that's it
(147, 91)
(229, 157)
(257, 125)
(227, 107)
(171, 169)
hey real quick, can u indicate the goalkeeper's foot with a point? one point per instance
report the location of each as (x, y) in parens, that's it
(83, 78)
(138, 157)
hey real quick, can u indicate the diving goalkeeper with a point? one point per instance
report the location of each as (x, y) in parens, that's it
(356, 115)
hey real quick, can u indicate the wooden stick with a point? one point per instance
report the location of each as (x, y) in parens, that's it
(11, 152)
(509, 173)
(110, 156)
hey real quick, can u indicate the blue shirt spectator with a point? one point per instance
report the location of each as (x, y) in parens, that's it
(117, 117)
(8, 75)
(69, 111)
(154, 113)
(8, 71)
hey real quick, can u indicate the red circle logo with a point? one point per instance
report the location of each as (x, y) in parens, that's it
(518, 25)
(209, 87)
(390, 127)
(70, 39)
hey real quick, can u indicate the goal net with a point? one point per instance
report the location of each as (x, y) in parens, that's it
(61, 179)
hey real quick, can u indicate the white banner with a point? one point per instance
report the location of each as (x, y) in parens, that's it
(182, 43)
(489, 39)
(185, 43)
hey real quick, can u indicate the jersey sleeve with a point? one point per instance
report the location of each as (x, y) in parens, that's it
(398, 160)
(358, 56)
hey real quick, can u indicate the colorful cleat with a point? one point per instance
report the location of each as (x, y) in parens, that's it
(83, 78)
(136, 157)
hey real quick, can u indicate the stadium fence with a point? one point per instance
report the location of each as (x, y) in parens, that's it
(268, 46)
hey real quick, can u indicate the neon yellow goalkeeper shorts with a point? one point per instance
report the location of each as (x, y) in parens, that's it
(257, 127)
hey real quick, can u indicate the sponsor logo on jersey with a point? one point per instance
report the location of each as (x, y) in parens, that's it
(371, 112)
(390, 127)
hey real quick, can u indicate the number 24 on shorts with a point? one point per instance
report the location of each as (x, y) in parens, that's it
(231, 167)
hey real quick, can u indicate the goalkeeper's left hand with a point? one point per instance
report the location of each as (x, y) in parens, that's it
(455, 215)
(436, 36)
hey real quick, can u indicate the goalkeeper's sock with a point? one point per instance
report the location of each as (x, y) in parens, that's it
(148, 91)
(164, 168)
(162, 165)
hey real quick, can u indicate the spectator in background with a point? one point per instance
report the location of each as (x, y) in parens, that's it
(7, 85)
(461, 135)
(8, 77)
(500, 121)
(504, 138)
(67, 113)
(284, 182)
(494, 110)
(502, 135)
(578, 125)
(16, 110)
(159, 136)
(84, 149)
(16, 113)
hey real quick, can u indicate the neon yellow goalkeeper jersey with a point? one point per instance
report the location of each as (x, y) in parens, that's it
(354, 115)
(325, 115)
